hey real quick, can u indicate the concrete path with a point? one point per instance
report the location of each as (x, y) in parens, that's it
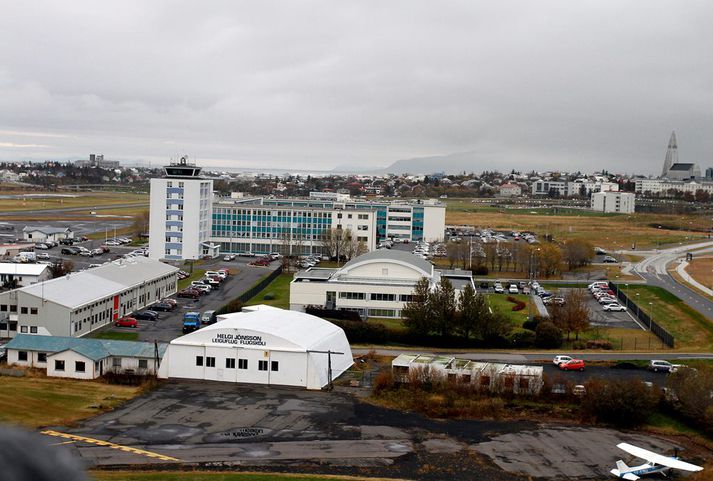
(681, 270)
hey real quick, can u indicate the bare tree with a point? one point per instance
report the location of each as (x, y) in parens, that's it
(573, 316)
(338, 243)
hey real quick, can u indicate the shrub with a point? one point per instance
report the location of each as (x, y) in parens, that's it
(547, 335)
(269, 296)
(383, 381)
(619, 402)
(520, 337)
(531, 324)
(691, 394)
(481, 271)
(599, 344)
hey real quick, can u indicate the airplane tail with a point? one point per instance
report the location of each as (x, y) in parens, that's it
(621, 466)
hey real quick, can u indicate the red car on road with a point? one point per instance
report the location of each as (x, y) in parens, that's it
(126, 322)
(573, 365)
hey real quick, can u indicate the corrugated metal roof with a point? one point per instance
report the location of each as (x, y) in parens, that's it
(46, 229)
(22, 269)
(77, 289)
(94, 349)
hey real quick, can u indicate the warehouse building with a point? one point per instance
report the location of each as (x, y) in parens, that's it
(79, 303)
(46, 233)
(261, 345)
(84, 358)
(487, 376)
(376, 284)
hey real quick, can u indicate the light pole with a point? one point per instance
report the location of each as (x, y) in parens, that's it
(651, 317)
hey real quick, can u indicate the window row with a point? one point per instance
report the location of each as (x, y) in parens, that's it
(209, 361)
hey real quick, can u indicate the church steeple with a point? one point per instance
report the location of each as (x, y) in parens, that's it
(671, 154)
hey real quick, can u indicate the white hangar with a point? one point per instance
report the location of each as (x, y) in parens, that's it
(261, 345)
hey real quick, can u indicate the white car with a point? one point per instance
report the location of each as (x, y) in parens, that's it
(499, 289)
(229, 257)
(513, 289)
(112, 243)
(42, 255)
(561, 359)
(614, 307)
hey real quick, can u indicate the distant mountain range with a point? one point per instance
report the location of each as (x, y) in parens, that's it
(449, 163)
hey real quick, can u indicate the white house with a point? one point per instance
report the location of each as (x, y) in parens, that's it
(509, 190)
(261, 345)
(44, 233)
(23, 274)
(83, 358)
(376, 284)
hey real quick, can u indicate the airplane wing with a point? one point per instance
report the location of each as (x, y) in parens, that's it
(628, 476)
(657, 458)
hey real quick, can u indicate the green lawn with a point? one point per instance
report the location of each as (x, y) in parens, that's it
(395, 324)
(689, 327)
(197, 275)
(278, 290)
(499, 302)
(37, 401)
(117, 336)
(211, 476)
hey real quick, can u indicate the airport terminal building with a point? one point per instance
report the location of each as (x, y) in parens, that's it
(79, 303)
(261, 345)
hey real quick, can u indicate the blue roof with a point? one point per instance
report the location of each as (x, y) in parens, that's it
(94, 349)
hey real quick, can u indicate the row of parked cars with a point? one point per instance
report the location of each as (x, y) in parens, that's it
(83, 251)
(605, 296)
(211, 280)
(568, 363)
(149, 314)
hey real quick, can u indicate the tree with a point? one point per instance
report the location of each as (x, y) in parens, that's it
(337, 242)
(619, 402)
(442, 306)
(692, 390)
(61, 268)
(578, 253)
(548, 259)
(573, 316)
(472, 308)
(416, 313)
(547, 335)
(141, 223)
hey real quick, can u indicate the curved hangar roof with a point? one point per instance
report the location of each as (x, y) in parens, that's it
(391, 256)
(276, 329)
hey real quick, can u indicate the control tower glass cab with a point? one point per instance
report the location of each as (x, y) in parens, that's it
(183, 169)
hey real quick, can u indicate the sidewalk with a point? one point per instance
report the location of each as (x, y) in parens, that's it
(681, 270)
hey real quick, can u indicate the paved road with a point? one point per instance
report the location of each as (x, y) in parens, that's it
(653, 270)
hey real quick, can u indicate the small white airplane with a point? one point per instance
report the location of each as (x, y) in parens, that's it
(655, 463)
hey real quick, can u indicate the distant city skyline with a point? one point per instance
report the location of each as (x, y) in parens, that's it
(322, 85)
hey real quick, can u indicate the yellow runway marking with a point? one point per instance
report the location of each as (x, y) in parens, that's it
(99, 442)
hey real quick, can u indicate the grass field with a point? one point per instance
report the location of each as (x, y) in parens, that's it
(83, 199)
(279, 289)
(701, 269)
(117, 336)
(610, 231)
(38, 401)
(499, 302)
(689, 327)
(214, 476)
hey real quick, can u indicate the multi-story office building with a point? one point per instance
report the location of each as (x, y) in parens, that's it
(297, 226)
(564, 188)
(181, 213)
(668, 188)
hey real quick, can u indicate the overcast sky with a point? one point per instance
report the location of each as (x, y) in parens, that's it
(316, 84)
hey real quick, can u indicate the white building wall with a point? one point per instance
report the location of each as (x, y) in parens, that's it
(70, 358)
(434, 223)
(613, 202)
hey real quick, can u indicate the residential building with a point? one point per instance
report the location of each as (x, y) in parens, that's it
(20, 275)
(37, 234)
(667, 188)
(509, 190)
(181, 210)
(563, 188)
(261, 345)
(84, 358)
(79, 303)
(262, 225)
(97, 160)
(376, 284)
(615, 202)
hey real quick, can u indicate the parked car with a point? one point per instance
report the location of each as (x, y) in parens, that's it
(145, 315)
(229, 257)
(201, 287)
(614, 306)
(72, 251)
(170, 301)
(572, 365)
(208, 317)
(42, 246)
(499, 289)
(162, 306)
(213, 282)
(553, 301)
(126, 322)
(97, 252)
(560, 359)
(112, 243)
(189, 293)
(579, 390)
(658, 365)
(609, 260)
(66, 242)
(42, 255)
(513, 289)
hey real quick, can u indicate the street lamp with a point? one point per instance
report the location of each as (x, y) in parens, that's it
(651, 317)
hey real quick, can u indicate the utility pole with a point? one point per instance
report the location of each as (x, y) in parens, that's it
(329, 353)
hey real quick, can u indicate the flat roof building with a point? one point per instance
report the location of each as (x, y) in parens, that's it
(79, 303)
(376, 284)
(261, 345)
(13, 274)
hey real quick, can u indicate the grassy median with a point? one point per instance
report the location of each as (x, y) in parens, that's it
(275, 294)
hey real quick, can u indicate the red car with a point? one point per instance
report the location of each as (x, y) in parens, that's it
(126, 322)
(573, 365)
(189, 293)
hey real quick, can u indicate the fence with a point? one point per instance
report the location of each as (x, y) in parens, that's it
(645, 319)
(252, 292)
